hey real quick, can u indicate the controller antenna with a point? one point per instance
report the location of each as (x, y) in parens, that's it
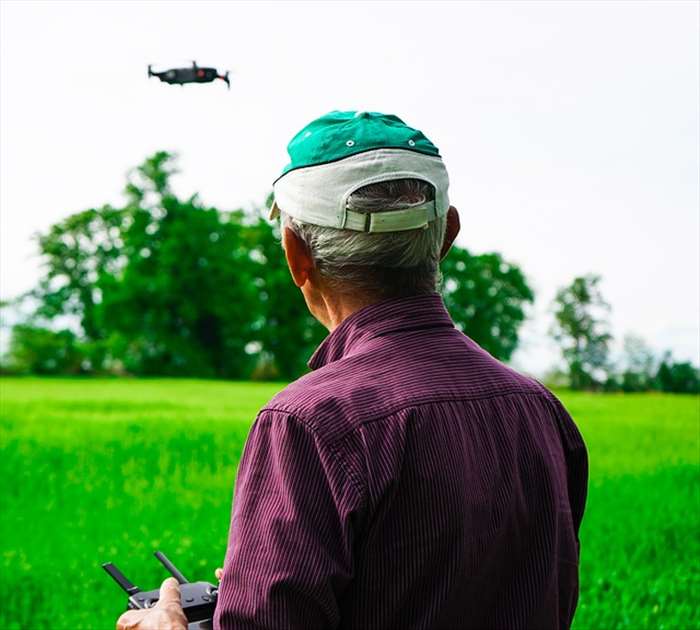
(173, 570)
(120, 578)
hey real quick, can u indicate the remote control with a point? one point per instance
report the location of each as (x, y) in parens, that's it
(198, 598)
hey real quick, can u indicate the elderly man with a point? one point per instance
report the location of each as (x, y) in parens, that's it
(410, 480)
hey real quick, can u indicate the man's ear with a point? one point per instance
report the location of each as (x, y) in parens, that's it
(451, 231)
(298, 257)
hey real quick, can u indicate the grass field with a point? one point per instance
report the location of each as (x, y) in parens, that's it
(98, 470)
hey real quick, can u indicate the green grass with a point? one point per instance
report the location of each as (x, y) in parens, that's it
(640, 565)
(98, 470)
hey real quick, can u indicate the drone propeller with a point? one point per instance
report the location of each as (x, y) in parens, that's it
(224, 77)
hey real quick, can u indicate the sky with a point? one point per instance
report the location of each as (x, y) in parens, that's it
(569, 129)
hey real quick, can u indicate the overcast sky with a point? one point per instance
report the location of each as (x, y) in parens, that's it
(570, 130)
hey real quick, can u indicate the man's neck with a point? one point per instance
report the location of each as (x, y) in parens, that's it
(334, 308)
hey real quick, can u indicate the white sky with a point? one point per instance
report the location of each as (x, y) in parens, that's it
(570, 130)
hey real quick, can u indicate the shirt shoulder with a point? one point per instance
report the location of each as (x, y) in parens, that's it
(393, 373)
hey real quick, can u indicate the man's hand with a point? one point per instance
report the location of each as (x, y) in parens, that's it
(167, 614)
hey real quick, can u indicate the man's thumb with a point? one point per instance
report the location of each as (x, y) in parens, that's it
(169, 592)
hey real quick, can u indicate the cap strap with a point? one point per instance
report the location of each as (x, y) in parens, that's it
(392, 220)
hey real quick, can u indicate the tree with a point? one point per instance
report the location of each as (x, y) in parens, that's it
(485, 296)
(581, 329)
(185, 302)
(161, 286)
(679, 378)
(638, 365)
(287, 332)
(168, 286)
(78, 253)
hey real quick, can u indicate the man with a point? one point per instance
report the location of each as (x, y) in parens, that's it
(410, 480)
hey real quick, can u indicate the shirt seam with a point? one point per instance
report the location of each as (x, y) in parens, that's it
(398, 409)
(355, 483)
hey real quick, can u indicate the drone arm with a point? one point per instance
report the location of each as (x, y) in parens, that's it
(224, 77)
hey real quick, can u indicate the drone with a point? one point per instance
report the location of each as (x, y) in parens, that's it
(193, 74)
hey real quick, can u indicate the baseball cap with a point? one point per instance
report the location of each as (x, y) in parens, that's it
(334, 155)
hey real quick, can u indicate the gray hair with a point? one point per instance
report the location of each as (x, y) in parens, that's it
(388, 264)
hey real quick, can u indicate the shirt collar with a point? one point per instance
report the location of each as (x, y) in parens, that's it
(415, 312)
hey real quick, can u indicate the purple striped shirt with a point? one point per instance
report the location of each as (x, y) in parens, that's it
(409, 481)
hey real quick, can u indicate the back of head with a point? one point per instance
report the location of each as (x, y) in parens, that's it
(367, 195)
(382, 265)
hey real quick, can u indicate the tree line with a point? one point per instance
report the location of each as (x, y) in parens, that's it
(582, 330)
(167, 286)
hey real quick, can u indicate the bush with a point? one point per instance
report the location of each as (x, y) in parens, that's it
(39, 350)
(679, 378)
